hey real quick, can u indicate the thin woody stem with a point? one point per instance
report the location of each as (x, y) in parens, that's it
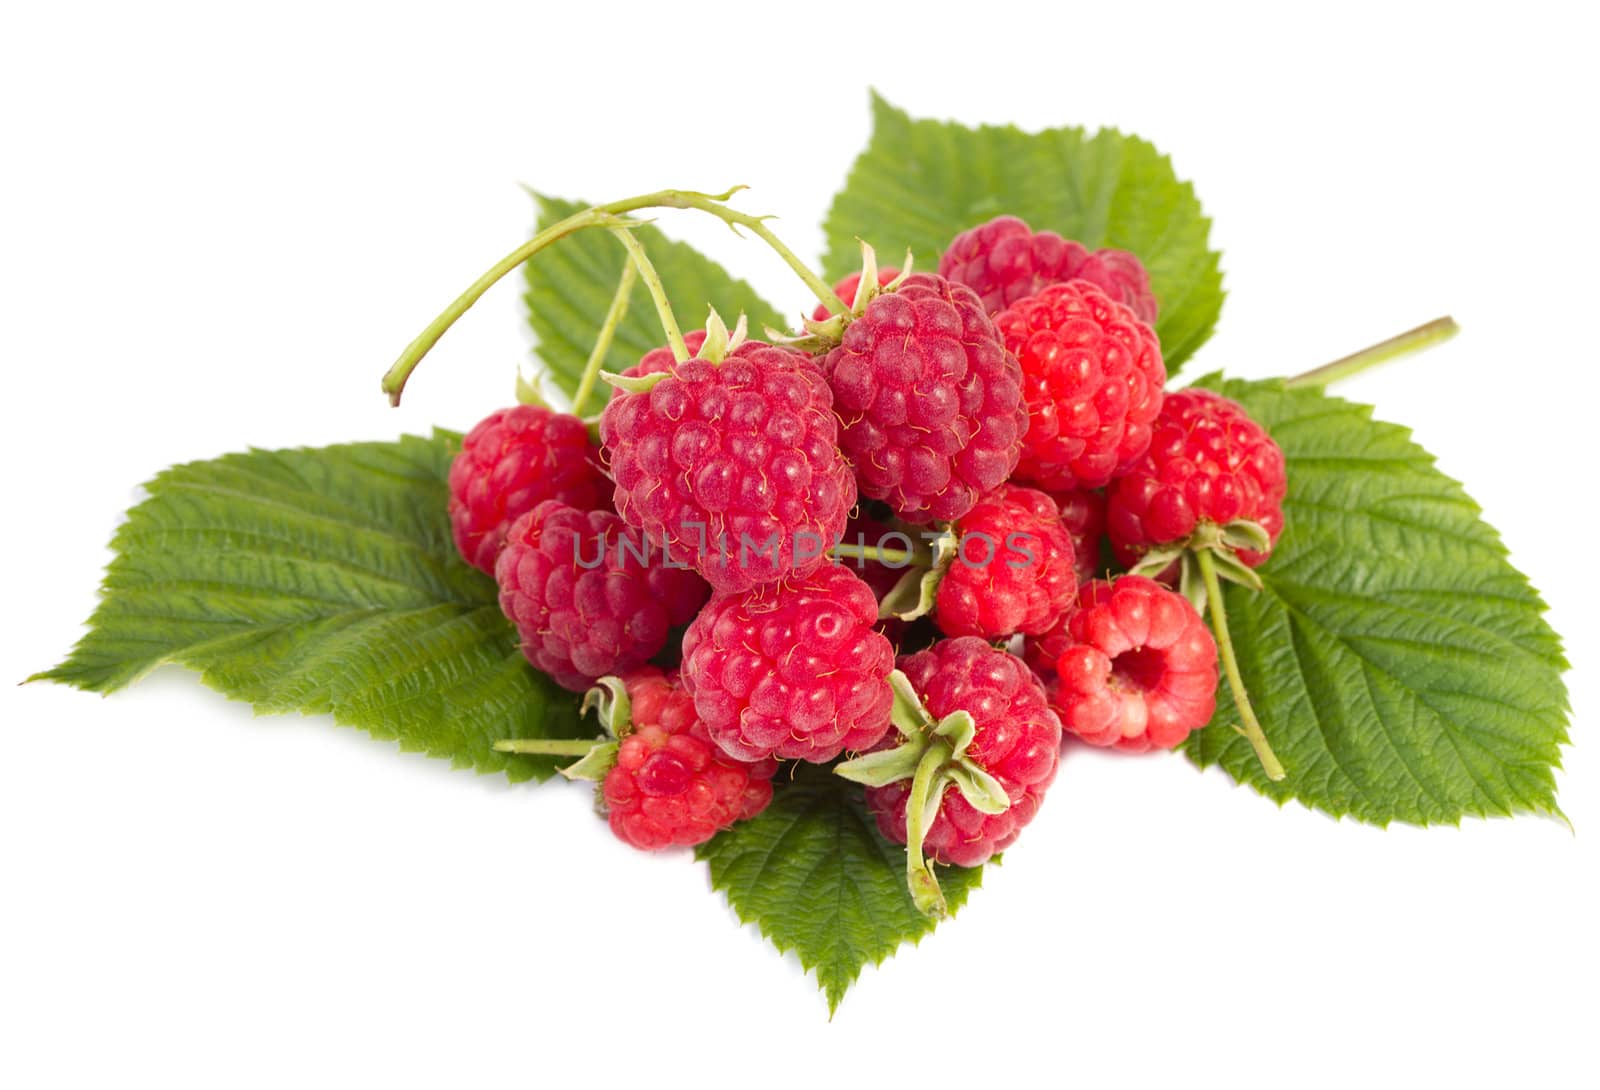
(1230, 666)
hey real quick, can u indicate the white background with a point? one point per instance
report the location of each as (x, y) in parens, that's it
(221, 222)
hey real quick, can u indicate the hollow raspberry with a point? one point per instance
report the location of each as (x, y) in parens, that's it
(588, 595)
(671, 786)
(512, 461)
(1208, 466)
(846, 289)
(930, 400)
(1134, 666)
(1083, 512)
(978, 741)
(1005, 261)
(733, 465)
(792, 669)
(1013, 568)
(1092, 377)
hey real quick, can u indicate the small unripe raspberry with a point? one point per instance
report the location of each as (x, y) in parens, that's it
(792, 669)
(514, 460)
(734, 466)
(1013, 571)
(670, 785)
(1004, 261)
(588, 596)
(929, 398)
(1017, 741)
(1133, 667)
(1208, 464)
(1093, 380)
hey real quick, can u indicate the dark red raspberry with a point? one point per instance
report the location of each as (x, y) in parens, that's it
(588, 596)
(1005, 261)
(1013, 570)
(930, 400)
(1208, 464)
(792, 669)
(1083, 512)
(846, 289)
(735, 466)
(1017, 741)
(514, 460)
(1134, 666)
(671, 786)
(1092, 376)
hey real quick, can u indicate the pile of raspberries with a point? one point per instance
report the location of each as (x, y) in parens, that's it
(997, 437)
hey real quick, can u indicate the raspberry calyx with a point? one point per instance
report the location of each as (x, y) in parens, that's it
(933, 756)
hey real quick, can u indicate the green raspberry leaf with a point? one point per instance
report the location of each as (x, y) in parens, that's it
(813, 872)
(323, 581)
(1402, 668)
(920, 183)
(571, 285)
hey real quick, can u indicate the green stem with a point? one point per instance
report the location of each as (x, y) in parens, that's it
(603, 215)
(1230, 665)
(894, 558)
(658, 293)
(602, 340)
(925, 891)
(548, 747)
(1412, 340)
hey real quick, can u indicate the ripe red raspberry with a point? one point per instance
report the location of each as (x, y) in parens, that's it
(1133, 667)
(793, 669)
(588, 596)
(1208, 465)
(670, 786)
(1083, 512)
(930, 400)
(1005, 261)
(1017, 741)
(1013, 571)
(846, 289)
(511, 462)
(1092, 376)
(735, 466)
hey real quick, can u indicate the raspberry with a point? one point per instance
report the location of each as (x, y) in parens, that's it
(1005, 261)
(588, 596)
(1083, 512)
(1208, 465)
(846, 289)
(670, 786)
(1092, 375)
(1013, 571)
(1133, 667)
(734, 466)
(511, 462)
(984, 753)
(794, 669)
(930, 400)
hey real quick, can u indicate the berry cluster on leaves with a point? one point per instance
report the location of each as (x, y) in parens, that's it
(988, 425)
(844, 596)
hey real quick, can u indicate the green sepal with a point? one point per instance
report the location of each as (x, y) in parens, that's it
(633, 384)
(609, 699)
(881, 768)
(720, 343)
(913, 596)
(528, 393)
(1154, 562)
(1247, 534)
(593, 765)
(981, 790)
